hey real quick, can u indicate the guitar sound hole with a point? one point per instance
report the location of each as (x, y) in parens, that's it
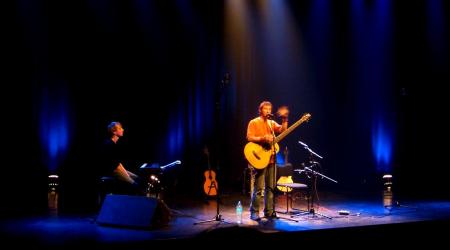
(266, 146)
(256, 156)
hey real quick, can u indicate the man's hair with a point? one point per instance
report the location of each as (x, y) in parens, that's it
(112, 127)
(264, 103)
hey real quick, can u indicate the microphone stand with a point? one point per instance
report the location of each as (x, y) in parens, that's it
(218, 216)
(223, 83)
(274, 172)
(314, 175)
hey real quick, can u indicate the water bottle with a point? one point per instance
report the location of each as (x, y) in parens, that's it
(239, 212)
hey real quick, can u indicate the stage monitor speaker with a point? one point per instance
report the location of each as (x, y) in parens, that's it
(133, 211)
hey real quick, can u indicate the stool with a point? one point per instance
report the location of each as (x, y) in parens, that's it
(289, 190)
(106, 185)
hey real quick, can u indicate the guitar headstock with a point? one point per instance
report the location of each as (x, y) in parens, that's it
(306, 117)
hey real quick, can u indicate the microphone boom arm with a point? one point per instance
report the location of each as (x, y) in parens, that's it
(310, 150)
(315, 172)
(314, 153)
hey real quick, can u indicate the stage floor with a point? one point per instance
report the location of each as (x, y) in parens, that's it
(367, 218)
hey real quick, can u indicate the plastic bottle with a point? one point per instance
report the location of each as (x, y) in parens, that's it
(239, 212)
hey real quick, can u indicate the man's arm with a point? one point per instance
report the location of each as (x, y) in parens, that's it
(122, 174)
(280, 128)
(283, 112)
(284, 125)
(251, 137)
(132, 175)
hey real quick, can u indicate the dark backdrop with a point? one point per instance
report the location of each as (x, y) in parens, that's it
(371, 73)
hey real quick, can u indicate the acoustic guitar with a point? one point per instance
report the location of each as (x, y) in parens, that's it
(259, 155)
(210, 186)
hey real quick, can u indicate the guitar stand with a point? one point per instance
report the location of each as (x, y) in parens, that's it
(213, 185)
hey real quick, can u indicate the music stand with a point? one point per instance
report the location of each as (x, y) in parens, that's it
(154, 170)
(313, 175)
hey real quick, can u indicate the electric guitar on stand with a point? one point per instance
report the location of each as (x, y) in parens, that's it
(210, 186)
(259, 155)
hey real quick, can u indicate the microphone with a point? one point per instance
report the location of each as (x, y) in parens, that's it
(269, 116)
(303, 144)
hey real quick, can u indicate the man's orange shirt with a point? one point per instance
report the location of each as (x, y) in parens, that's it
(257, 127)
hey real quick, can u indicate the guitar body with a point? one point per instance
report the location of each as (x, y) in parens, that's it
(259, 156)
(210, 186)
(284, 180)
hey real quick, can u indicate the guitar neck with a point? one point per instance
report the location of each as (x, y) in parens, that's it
(289, 130)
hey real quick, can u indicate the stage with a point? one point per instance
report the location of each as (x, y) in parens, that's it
(367, 218)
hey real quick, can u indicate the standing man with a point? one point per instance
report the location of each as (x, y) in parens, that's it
(261, 130)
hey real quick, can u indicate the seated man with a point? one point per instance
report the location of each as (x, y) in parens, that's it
(125, 181)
